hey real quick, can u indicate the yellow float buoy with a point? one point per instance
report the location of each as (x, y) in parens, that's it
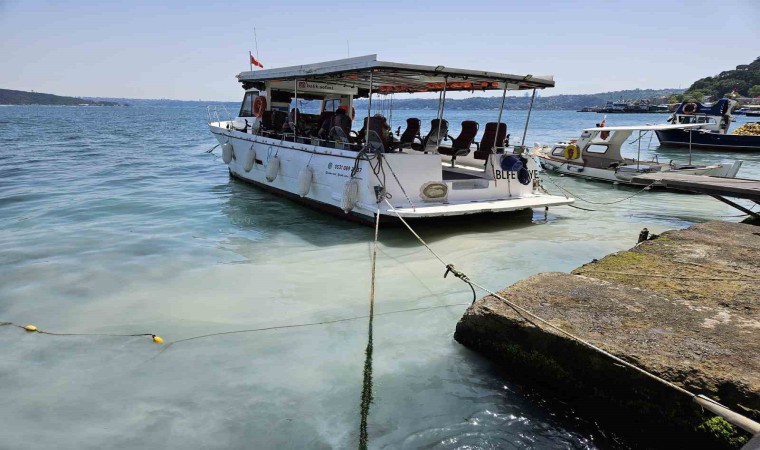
(158, 339)
(30, 328)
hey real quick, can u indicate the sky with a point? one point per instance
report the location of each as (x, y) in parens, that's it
(191, 50)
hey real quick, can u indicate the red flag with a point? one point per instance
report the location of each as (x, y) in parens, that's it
(255, 61)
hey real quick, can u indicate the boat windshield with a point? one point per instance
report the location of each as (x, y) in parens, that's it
(246, 108)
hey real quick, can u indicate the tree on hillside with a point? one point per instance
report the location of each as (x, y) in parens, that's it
(741, 80)
(754, 91)
(694, 96)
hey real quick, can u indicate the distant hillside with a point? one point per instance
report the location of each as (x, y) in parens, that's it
(10, 97)
(745, 79)
(165, 102)
(549, 102)
(553, 102)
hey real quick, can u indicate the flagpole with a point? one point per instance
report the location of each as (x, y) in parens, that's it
(250, 60)
(256, 40)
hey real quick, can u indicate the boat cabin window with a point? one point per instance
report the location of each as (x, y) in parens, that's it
(331, 104)
(687, 119)
(558, 151)
(596, 149)
(246, 109)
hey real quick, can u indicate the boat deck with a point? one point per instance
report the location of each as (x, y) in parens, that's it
(712, 186)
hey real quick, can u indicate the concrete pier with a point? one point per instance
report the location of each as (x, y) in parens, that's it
(684, 306)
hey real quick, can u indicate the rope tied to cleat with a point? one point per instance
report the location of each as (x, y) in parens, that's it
(459, 274)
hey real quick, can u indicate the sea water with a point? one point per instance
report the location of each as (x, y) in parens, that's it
(116, 221)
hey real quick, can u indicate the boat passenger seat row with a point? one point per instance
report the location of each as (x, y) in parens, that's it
(495, 138)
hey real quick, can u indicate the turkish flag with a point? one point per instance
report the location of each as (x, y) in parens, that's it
(255, 61)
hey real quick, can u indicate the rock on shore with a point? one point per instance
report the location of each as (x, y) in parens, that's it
(683, 306)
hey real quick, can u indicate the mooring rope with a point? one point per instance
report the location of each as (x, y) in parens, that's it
(366, 399)
(578, 197)
(532, 318)
(250, 330)
(399, 184)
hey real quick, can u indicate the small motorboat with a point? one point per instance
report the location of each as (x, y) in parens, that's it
(712, 134)
(597, 155)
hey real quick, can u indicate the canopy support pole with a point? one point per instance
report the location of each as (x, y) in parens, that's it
(390, 112)
(441, 105)
(295, 107)
(527, 119)
(498, 122)
(638, 156)
(369, 110)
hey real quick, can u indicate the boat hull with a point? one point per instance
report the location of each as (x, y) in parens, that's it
(715, 141)
(625, 174)
(404, 177)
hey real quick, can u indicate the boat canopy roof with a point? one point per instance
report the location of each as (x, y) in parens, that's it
(646, 127)
(718, 108)
(391, 77)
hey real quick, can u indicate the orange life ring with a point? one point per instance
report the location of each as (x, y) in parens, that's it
(353, 110)
(259, 106)
(690, 108)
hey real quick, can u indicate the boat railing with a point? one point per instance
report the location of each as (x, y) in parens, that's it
(216, 113)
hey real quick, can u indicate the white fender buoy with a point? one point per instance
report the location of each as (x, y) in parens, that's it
(304, 181)
(250, 159)
(227, 152)
(273, 168)
(350, 195)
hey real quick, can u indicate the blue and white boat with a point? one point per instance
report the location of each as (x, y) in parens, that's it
(715, 120)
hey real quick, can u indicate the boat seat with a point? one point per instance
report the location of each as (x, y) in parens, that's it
(278, 120)
(375, 142)
(494, 140)
(266, 121)
(379, 127)
(432, 140)
(411, 133)
(460, 146)
(325, 115)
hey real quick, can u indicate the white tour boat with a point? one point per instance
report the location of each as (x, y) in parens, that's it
(320, 160)
(597, 155)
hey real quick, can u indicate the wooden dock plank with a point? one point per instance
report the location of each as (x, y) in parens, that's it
(731, 187)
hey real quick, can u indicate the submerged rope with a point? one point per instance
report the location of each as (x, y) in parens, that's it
(34, 329)
(578, 197)
(252, 330)
(366, 399)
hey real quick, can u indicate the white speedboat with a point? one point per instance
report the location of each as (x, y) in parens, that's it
(597, 155)
(320, 160)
